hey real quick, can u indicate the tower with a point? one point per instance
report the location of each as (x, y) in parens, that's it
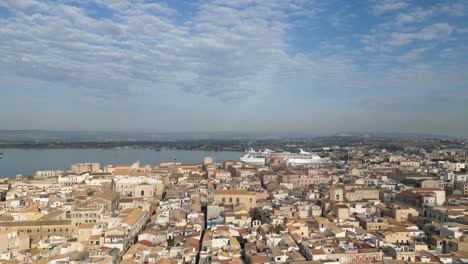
(336, 194)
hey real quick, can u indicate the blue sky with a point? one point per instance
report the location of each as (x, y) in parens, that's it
(274, 66)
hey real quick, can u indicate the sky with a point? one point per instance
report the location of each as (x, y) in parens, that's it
(274, 66)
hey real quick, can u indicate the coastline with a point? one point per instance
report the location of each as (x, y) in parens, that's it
(28, 161)
(157, 146)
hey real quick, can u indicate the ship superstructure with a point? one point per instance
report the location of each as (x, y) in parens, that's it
(301, 158)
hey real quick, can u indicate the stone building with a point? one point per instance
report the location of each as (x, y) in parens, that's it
(232, 197)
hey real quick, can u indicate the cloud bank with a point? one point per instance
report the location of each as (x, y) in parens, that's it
(235, 55)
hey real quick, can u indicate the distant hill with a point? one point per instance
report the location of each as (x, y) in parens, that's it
(77, 136)
(104, 136)
(390, 135)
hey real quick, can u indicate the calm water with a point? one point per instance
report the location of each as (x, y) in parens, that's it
(28, 161)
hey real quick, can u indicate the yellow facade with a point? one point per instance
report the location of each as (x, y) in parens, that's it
(233, 197)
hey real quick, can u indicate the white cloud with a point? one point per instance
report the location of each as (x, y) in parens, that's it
(419, 14)
(24, 5)
(415, 24)
(462, 30)
(453, 8)
(414, 16)
(226, 51)
(388, 6)
(335, 20)
(438, 31)
(411, 55)
(223, 53)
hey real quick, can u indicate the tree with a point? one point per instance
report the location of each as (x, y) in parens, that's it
(278, 229)
(257, 214)
(170, 242)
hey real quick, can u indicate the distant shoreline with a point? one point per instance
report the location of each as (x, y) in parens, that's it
(156, 146)
(28, 161)
(226, 145)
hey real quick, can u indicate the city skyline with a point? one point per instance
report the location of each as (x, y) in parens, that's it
(249, 66)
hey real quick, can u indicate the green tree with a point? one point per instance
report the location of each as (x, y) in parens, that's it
(278, 229)
(170, 242)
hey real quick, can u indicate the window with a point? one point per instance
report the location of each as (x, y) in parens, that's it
(230, 199)
(142, 193)
(223, 200)
(237, 199)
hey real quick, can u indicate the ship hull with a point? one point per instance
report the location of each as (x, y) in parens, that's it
(302, 161)
(253, 160)
(303, 158)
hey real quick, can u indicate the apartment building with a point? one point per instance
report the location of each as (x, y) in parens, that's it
(232, 197)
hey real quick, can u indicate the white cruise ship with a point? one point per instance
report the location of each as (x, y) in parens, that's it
(301, 158)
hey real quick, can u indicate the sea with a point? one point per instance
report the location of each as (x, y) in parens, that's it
(28, 161)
